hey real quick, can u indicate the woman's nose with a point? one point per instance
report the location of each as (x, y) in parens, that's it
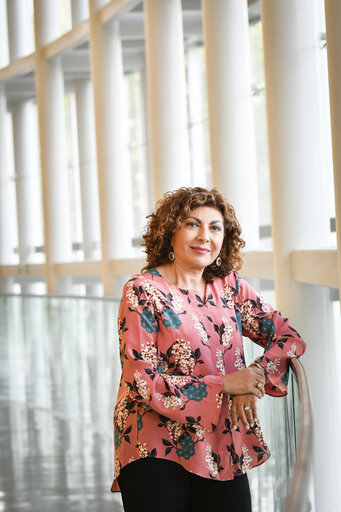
(203, 234)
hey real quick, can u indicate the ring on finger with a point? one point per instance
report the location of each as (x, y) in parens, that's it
(247, 408)
(259, 385)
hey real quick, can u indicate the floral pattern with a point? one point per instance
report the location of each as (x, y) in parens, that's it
(174, 349)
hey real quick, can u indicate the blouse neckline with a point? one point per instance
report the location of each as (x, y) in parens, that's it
(155, 272)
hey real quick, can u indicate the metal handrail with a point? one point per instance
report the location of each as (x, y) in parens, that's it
(297, 496)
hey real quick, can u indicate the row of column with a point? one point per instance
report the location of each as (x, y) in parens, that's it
(166, 86)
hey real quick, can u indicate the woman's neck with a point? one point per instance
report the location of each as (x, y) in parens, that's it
(188, 279)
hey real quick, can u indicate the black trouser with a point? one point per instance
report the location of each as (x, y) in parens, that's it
(153, 485)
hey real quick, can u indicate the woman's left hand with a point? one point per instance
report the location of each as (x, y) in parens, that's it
(244, 408)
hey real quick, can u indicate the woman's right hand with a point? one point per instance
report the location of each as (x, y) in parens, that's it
(248, 380)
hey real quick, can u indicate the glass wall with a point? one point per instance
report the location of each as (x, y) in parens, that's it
(58, 384)
(74, 176)
(259, 105)
(279, 418)
(138, 154)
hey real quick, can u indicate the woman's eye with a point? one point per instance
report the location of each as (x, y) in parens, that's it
(216, 228)
(192, 224)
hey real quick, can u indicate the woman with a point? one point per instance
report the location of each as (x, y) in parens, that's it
(185, 422)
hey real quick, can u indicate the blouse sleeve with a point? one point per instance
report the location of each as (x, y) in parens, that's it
(265, 326)
(187, 399)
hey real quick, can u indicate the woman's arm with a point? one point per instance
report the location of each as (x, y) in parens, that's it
(265, 326)
(248, 380)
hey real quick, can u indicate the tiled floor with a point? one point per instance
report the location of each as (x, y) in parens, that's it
(57, 387)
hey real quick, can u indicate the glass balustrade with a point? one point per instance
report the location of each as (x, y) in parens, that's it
(59, 376)
(279, 419)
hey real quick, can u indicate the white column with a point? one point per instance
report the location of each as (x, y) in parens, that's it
(88, 175)
(195, 107)
(27, 175)
(4, 56)
(333, 28)
(46, 23)
(7, 215)
(18, 15)
(50, 99)
(231, 120)
(148, 138)
(100, 3)
(114, 179)
(25, 161)
(20, 44)
(79, 11)
(299, 218)
(167, 93)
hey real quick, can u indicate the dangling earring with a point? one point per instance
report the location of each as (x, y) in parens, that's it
(218, 261)
(171, 255)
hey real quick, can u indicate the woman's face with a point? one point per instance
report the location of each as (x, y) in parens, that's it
(198, 241)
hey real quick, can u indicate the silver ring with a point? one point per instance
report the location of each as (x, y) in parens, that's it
(247, 408)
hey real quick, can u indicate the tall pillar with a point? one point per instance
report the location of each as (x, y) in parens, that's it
(26, 168)
(27, 185)
(333, 29)
(87, 160)
(167, 94)
(7, 215)
(18, 16)
(111, 118)
(6, 196)
(50, 99)
(231, 120)
(4, 56)
(147, 138)
(88, 175)
(79, 11)
(299, 216)
(195, 108)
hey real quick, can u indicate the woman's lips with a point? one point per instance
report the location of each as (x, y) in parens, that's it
(200, 250)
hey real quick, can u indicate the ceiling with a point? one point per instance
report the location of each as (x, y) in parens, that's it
(76, 60)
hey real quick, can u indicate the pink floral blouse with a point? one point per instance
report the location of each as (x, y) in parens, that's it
(174, 349)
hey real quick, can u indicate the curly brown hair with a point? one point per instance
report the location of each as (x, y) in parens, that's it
(172, 209)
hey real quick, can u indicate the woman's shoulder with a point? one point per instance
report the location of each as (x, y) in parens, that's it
(231, 279)
(142, 278)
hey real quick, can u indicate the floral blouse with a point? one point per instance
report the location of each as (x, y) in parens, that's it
(174, 350)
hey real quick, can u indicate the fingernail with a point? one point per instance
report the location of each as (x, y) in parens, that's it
(252, 424)
(235, 427)
(247, 426)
